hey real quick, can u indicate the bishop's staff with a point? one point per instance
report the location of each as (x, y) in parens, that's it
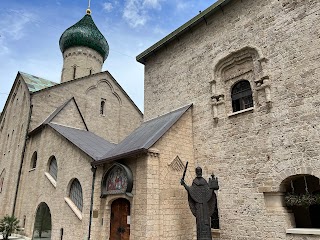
(184, 173)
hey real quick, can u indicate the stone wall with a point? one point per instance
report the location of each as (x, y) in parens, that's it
(36, 187)
(175, 148)
(159, 206)
(120, 115)
(13, 129)
(80, 62)
(252, 152)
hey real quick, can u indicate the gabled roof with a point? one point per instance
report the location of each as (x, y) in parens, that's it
(88, 142)
(145, 136)
(91, 144)
(35, 83)
(184, 28)
(55, 113)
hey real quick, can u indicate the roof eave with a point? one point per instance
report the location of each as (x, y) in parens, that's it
(120, 156)
(185, 27)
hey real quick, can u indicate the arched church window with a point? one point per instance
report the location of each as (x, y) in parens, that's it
(34, 160)
(74, 72)
(241, 95)
(102, 106)
(53, 168)
(303, 199)
(2, 179)
(76, 194)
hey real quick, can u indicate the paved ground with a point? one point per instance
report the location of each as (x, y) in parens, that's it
(21, 238)
(16, 238)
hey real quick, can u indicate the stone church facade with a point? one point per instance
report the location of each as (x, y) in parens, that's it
(234, 90)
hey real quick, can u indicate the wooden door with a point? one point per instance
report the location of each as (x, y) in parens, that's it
(119, 222)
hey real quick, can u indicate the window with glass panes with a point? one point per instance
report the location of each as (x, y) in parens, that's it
(53, 168)
(241, 96)
(76, 194)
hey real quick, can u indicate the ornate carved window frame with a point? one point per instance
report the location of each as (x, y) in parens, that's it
(244, 64)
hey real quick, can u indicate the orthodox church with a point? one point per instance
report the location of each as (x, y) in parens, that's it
(234, 90)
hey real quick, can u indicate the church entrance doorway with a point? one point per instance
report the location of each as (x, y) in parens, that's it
(42, 224)
(120, 220)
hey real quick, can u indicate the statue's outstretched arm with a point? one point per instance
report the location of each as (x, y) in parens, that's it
(183, 183)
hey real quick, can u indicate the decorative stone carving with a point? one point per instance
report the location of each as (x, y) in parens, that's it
(176, 164)
(117, 180)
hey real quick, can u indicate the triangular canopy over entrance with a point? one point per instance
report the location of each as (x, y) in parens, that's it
(145, 136)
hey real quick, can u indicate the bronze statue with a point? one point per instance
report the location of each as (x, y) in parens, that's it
(202, 201)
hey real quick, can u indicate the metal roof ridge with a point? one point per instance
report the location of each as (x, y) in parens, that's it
(195, 20)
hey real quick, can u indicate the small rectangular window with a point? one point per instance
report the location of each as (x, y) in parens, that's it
(102, 106)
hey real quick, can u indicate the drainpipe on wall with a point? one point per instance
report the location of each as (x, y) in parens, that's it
(94, 170)
(21, 162)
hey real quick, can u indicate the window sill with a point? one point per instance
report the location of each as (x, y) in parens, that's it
(242, 111)
(51, 179)
(304, 231)
(32, 169)
(74, 208)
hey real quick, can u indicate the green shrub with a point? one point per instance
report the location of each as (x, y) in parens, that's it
(8, 225)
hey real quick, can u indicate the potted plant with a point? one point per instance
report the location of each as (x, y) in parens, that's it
(8, 225)
(302, 200)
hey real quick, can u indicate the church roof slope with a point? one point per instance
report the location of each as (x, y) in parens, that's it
(141, 139)
(88, 142)
(35, 83)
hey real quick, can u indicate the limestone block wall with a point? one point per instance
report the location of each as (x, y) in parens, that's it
(70, 116)
(102, 206)
(36, 187)
(80, 62)
(175, 149)
(159, 206)
(120, 116)
(13, 128)
(254, 151)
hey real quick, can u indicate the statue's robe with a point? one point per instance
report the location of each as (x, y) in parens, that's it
(202, 201)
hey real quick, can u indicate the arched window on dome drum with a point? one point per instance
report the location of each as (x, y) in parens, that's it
(74, 72)
(241, 95)
(75, 194)
(53, 168)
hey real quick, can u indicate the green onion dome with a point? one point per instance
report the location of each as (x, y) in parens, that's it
(85, 33)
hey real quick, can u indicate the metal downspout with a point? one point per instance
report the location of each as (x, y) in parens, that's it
(94, 170)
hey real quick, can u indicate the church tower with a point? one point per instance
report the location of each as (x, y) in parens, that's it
(84, 49)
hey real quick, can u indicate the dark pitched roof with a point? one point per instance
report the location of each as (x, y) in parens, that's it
(88, 142)
(184, 28)
(141, 139)
(35, 83)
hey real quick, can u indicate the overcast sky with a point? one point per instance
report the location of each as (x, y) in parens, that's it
(30, 32)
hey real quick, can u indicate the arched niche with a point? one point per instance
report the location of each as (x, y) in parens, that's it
(117, 179)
